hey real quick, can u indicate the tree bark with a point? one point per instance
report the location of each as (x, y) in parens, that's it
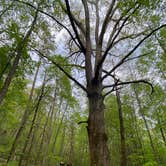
(99, 153)
(123, 161)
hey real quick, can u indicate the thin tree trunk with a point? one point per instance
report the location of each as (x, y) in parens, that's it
(9, 77)
(161, 128)
(71, 149)
(62, 142)
(5, 68)
(40, 150)
(34, 142)
(24, 118)
(58, 130)
(123, 161)
(33, 122)
(19, 50)
(146, 125)
(137, 134)
(49, 129)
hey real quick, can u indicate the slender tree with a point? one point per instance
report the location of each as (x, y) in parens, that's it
(123, 161)
(18, 53)
(96, 45)
(33, 121)
(147, 126)
(24, 118)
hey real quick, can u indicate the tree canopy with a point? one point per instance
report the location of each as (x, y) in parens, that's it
(82, 82)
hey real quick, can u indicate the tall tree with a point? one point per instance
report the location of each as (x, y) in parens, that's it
(18, 53)
(24, 118)
(124, 24)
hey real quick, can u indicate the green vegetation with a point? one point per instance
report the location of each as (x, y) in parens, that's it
(82, 82)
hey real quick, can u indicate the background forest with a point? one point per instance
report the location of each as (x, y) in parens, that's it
(59, 58)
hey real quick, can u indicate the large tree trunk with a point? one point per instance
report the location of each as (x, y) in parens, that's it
(99, 152)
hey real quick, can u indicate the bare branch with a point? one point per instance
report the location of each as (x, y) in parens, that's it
(106, 21)
(87, 20)
(133, 50)
(130, 82)
(117, 34)
(82, 122)
(73, 26)
(132, 58)
(61, 69)
(112, 90)
(73, 53)
(97, 22)
(130, 36)
(77, 22)
(115, 28)
(111, 44)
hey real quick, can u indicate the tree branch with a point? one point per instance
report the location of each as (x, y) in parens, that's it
(87, 19)
(61, 69)
(130, 36)
(79, 24)
(97, 22)
(133, 50)
(117, 34)
(80, 122)
(111, 44)
(73, 26)
(106, 21)
(53, 18)
(112, 90)
(132, 58)
(130, 82)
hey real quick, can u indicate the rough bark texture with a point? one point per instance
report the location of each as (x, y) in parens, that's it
(99, 152)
